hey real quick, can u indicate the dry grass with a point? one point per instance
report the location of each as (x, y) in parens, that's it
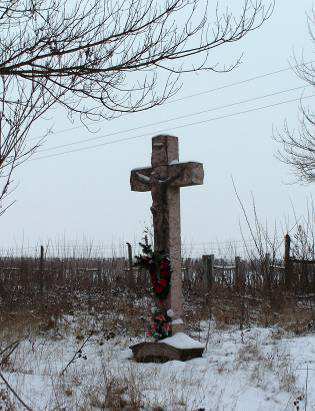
(266, 361)
(112, 308)
(105, 387)
(6, 403)
(34, 296)
(227, 308)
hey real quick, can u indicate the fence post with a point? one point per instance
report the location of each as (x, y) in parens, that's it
(41, 269)
(185, 270)
(239, 278)
(208, 263)
(287, 262)
(130, 266)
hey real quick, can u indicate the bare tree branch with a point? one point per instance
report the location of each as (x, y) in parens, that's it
(298, 146)
(99, 59)
(99, 50)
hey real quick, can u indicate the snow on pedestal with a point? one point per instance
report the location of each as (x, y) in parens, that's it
(182, 341)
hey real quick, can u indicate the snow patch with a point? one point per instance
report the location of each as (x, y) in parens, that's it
(182, 341)
(170, 313)
(141, 168)
(143, 178)
(174, 162)
(178, 321)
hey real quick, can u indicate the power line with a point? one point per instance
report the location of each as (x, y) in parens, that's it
(240, 82)
(271, 73)
(171, 119)
(174, 128)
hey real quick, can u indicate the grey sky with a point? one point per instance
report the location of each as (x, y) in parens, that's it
(86, 195)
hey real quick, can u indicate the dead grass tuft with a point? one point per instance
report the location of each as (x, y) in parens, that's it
(6, 403)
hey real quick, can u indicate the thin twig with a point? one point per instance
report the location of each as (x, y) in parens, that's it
(306, 388)
(246, 217)
(208, 335)
(15, 393)
(76, 353)
(14, 347)
(9, 346)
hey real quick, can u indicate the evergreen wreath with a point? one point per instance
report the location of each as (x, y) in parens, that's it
(159, 267)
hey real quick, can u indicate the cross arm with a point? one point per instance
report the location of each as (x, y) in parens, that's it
(140, 179)
(186, 174)
(178, 175)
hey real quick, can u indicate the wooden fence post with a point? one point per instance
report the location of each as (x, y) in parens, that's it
(41, 269)
(239, 275)
(287, 262)
(186, 263)
(208, 263)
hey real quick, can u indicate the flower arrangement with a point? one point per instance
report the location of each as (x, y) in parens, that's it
(159, 267)
(161, 325)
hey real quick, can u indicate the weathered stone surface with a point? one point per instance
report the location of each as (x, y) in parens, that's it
(164, 150)
(186, 174)
(160, 352)
(164, 179)
(140, 179)
(179, 174)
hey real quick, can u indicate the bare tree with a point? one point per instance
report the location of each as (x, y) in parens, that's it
(98, 59)
(298, 146)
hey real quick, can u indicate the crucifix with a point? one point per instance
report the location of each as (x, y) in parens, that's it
(164, 179)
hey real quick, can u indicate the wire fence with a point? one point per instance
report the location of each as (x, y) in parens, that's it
(60, 271)
(223, 249)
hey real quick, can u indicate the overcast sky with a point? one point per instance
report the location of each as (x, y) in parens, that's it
(85, 196)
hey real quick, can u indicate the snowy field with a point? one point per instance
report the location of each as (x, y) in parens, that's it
(257, 369)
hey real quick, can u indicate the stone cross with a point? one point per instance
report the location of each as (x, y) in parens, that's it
(164, 179)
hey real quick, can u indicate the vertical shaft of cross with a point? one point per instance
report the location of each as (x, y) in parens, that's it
(175, 257)
(164, 179)
(166, 217)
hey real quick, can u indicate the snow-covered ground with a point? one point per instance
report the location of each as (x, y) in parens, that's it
(257, 369)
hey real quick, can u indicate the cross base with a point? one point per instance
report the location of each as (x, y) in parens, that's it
(160, 352)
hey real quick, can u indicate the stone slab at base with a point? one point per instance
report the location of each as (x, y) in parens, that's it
(162, 352)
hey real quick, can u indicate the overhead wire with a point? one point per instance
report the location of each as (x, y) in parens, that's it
(259, 76)
(172, 119)
(236, 83)
(174, 128)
